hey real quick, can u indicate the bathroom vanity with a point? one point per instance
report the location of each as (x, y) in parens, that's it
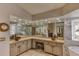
(54, 47)
(50, 40)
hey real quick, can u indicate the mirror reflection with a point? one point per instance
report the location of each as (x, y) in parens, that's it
(43, 28)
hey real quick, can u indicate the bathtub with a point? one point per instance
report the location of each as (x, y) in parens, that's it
(74, 50)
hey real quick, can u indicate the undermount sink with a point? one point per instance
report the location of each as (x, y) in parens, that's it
(74, 50)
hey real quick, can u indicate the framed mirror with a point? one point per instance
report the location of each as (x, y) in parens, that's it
(4, 27)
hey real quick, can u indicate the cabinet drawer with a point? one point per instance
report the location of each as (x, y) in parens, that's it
(59, 44)
(53, 44)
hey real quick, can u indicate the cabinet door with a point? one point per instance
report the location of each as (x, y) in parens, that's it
(23, 46)
(48, 48)
(33, 44)
(18, 46)
(57, 50)
(13, 50)
(26, 45)
(29, 44)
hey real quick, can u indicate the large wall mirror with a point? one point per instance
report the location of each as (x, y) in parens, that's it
(19, 27)
(42, 30)
(45, 27)
(56, 30)
(60, 29)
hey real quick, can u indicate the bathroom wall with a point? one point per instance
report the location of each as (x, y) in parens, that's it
(68, 30)
(13, 9)
(5, 11)
(48, 14)
(70, 7)
(68, 11)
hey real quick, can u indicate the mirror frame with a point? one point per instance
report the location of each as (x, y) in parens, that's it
(2, 29)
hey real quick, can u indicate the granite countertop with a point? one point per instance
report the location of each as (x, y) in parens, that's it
(38, 38)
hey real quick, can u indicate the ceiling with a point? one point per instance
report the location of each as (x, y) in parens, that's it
(35, 8)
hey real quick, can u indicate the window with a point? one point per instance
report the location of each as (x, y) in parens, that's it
(75, 30)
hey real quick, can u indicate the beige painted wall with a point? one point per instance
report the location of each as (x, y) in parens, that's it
(70, 7)
(48, 14)
(57, 12)
(8, 9)
(67, 10)
(5, 11)
(70, 10)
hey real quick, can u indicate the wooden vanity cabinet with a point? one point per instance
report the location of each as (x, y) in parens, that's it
(58, 49)
(48, 48)
(13, 49)
(54, 48)
(19, 47)
(24, 46)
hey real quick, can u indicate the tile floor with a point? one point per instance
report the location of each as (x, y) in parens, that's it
(35, 52)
